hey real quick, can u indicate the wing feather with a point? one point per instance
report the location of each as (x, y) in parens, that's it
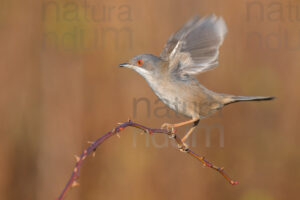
(195, 47)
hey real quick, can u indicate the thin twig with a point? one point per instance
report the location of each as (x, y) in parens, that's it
(72, 182)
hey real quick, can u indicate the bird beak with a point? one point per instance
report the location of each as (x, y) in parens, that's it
(124, 65)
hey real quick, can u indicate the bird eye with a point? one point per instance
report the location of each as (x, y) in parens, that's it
(139, 62)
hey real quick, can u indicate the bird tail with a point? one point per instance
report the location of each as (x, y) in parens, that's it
(233, 99)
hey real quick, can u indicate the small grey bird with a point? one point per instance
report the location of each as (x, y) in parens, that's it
(191, 50)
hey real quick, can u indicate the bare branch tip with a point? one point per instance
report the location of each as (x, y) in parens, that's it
(234, 182)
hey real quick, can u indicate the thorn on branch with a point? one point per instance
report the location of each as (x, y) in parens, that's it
(148, 131)
(221, 169)
(75, 170)
(77, 158)
(75, 184)
(234, 182)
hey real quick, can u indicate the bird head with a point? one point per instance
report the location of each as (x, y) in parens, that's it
(146, 65)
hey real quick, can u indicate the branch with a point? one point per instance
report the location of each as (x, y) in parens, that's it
(72, 182)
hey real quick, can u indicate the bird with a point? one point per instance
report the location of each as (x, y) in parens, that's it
(193, 49)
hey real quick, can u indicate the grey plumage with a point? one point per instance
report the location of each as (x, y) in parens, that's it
(191, 50)
(195, 47)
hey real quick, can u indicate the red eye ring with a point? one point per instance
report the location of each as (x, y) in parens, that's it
(139, 62)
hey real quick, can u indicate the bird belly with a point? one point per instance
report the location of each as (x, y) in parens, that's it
(175, 103)
(186, 101)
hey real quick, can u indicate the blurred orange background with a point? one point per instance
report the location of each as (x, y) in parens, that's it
(61, 86)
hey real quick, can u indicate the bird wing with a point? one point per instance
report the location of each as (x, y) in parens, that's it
(195, 47)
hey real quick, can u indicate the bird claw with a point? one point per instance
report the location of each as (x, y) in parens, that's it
(183, 148)
(169, 127)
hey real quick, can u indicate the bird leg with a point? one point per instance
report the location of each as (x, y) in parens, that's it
(191, 130)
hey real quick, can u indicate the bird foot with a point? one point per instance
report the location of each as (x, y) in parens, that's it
(169, 127)
(184, 147)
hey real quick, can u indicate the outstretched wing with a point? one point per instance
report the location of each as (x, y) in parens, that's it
(195, 47)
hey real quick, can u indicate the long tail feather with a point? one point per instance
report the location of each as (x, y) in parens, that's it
(234, 99)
